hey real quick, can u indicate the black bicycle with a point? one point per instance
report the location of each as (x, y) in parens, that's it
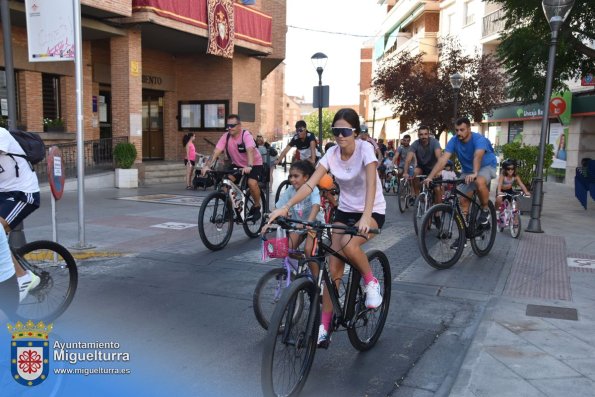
(228, 205)
(443, 246)
(291, 340)
(58, 274)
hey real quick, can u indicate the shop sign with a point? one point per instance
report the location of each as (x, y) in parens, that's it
(560, 107)
(153, 80)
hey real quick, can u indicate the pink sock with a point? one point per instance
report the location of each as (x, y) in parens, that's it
(369, 277)
(326, 319)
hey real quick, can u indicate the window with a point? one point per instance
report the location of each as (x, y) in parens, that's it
(514, 128)
(469, 13)
(449, 24)
(50, 87)
(4, 98)
(202, 115)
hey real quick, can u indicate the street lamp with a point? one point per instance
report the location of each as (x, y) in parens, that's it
(374, 106)
(556, 12)
(319, 62)
(456, 80)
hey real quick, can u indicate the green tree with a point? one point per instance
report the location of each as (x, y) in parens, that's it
(421, 92)
(327, 120)
(525, 46)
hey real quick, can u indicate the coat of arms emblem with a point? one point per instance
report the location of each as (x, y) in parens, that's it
(30, 364)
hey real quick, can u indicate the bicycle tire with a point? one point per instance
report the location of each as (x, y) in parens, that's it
(402, 196)
(268, 292)
(435, 242)
(515, 225)
(216, 222)
(57, 270)
(419, 209)
(286, 342)
(282, 186)
(475, 241)
(252, 228)
(367, 323)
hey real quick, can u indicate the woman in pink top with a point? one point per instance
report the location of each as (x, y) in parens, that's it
(353, 164)
(189, 157)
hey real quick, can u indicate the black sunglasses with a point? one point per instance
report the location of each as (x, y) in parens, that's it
(231, 125)
(509, 168)
(344, 131)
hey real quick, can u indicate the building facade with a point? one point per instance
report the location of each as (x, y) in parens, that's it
(147, 75)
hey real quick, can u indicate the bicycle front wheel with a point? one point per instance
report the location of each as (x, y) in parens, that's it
(215, 221)
(290, 344)
(58, 274)
(419, 210)
(402, 195)
(484, 235)
(367, 324)
(268, 292)
(515, 224)
(442, 246)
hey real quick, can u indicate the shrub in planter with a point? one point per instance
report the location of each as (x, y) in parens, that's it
(526, 159)
(124, 154)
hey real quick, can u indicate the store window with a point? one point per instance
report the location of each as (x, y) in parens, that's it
(4, 99)
(202, 115)
(50, 85)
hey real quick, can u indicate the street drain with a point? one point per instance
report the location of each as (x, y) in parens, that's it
(562, 313)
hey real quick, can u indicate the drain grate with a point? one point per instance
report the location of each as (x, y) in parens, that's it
(562, 313)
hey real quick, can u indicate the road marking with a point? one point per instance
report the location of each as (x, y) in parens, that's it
(176, 199)
(581, 263)
(174, 225)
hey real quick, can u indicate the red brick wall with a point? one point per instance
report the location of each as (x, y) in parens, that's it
(30, 99)
(122, 7)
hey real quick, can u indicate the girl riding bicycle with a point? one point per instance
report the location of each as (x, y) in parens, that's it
(506, 181)
(353, 164)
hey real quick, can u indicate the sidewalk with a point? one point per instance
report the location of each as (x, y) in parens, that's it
(536, 337)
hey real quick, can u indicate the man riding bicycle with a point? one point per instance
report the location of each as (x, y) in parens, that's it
(477, 158)
(240, 147)
(305, 144)
(402, 152)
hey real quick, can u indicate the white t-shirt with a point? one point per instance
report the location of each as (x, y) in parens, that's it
(350, 175)
(26, 182)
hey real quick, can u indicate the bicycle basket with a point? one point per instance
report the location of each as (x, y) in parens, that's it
(275, 244)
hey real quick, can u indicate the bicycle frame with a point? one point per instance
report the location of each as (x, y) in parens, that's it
(509, 201)
(468, 221)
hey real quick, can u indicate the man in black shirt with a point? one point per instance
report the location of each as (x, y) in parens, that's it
(305, 144)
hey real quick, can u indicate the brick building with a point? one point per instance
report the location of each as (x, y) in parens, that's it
(147, 76)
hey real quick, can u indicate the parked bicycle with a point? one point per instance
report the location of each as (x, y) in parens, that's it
(290, 344)
(509, 214)
(226, 206)
(58, 274)
(442, 246)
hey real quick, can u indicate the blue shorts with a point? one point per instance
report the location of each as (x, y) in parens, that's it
(16, 206)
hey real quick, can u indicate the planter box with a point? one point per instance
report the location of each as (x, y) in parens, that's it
(126, 178)
(525, 203)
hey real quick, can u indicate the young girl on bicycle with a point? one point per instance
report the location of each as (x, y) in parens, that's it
(308, 209)
(361, 203)
(507, 179)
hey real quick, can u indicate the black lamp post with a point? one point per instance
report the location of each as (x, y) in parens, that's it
(456, 80)
(374, 106)
(556, 12)
(319, 62)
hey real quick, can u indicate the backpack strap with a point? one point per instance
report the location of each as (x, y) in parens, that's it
(227, 143)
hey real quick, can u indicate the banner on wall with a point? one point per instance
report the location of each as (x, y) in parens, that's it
(220, 18)
(50, 30)
(559, 138)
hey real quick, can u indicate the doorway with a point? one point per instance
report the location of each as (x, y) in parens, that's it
(152, 125)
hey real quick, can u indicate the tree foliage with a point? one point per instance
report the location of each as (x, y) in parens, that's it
(327, 119)
(421, 92)
(526, 38)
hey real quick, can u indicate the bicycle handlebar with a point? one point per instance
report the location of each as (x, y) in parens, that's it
(285, 223)
(515, 194)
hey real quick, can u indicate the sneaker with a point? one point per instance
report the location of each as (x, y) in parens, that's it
(254, 214)
(27, 283)
(373, 297)
(324, 338)
(484, 217)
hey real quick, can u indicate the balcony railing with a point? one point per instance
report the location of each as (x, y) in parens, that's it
(97, 157)
(493, 23)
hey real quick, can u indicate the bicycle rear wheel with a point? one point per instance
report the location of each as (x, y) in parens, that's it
(282, 187)
(215, 221)
(58, 274)
(268, 292)
(251, 227)
(483, 235)
(367, 324)
(442, 247)
(515, 224)
(402, 195)
(290, 343)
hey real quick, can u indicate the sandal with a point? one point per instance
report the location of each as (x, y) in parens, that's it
(189, 188)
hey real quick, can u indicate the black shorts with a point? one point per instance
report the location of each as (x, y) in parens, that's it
(257, 172)
(191, 162)
(425, 169)
(351, 218)
(16, 206)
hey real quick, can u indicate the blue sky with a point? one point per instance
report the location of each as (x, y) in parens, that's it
(352, 17)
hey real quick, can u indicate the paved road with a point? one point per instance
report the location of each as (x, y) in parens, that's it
(185, 313)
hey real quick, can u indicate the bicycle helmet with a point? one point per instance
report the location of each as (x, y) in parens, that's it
(391, 154)
(450, 163)
(507, 163)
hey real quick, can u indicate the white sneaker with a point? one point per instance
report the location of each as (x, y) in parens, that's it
(27, 283)
(373, 297)
(323, 337)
